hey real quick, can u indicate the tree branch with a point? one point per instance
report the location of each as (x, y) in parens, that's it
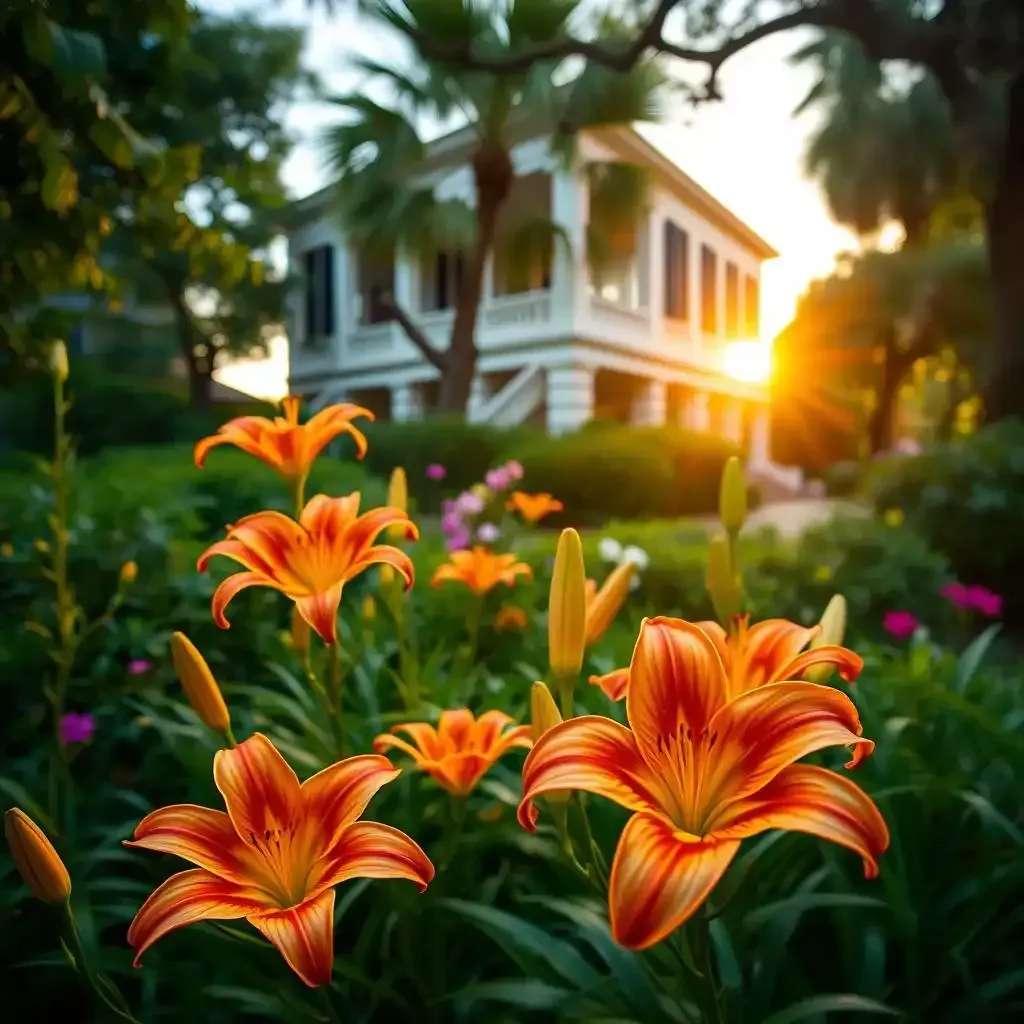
(412, 331)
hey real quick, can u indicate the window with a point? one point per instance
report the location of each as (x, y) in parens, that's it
(318, 275)
(732, 301)
(752, 308)
(441, 277)
(708, 290)
(677, 272)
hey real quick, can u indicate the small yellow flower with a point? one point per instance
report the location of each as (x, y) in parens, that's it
(200, 687)
(567, 608)
(38, 863)
(59, 361)
(823, 573)
(894, 518)
(732, 498)
(481, 491)
(129, 572)
(41, 546)
(7, 550)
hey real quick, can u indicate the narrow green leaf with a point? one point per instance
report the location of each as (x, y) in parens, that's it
(528, 993)
(818, 1005)
(970, 661)
(808, 901)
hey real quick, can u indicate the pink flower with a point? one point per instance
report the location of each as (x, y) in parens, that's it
(488, 533)
(451, 522)
(435, 471)
(985, 601)
(457, 541)
(900, 625)
(139, 666)
(514, 469)
(497, 479)
(76, 728)
(469, 503)
(957, 594)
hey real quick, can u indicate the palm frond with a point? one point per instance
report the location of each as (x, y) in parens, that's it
(529, 22)
(378, 134)
(530, 245)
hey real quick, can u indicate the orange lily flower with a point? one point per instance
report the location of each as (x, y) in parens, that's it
(276, 855)
(310, 560)
(458, 753)
(510, 616)
(285, 444)
(481, 570)
(767, 652)
(533, 507)
(703, 772)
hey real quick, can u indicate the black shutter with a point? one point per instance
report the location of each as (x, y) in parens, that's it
(732, 301)
(684, 275)
(709, 290)
(671, 270)
(327, 290)
(309, 294)
(441, 281)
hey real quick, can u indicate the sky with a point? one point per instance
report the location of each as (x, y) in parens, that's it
(746, 150)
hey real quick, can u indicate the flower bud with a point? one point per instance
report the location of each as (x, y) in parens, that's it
(723, 582)
(567, 608)
(200, 687)
(37, 861)
(398, 497)
(369, 608)
(59, 361)
(299, 632)
(387, 575)
(832, 629)
(129, 571)
(732, 497)
(543, 710)
(606, 603)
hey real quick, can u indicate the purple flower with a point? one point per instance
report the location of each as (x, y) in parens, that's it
(451, 522)
(457, 541)
(900, 625)
(488, 533)
(514, 469)
(985, 601)
(139, 666)
(469, 503)
(497, 479)
(957, 594)
(76, 728)
(435, 471)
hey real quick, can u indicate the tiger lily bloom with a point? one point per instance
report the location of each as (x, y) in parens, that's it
(276, 855)
(309, 560)
(458, 753)
(285, 444)
(702, 772)
(533, 507)
(481, 570)
(767, 652)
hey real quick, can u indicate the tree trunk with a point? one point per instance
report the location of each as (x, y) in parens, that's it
(880, 427)
(199, 367)
(493, 174)
(1004, 394)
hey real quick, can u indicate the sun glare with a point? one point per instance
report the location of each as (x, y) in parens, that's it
(748, 361)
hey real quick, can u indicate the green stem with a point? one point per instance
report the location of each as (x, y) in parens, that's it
(229, 736)
(475, 617)
(324, 998)
(104, 988)
(456, 821)
(300, 496)
(336, 688)
(711, 1009)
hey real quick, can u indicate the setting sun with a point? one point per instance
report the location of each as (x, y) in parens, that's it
(748, 361)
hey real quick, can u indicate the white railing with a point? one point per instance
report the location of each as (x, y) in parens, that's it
(513, 310)
(515, 401)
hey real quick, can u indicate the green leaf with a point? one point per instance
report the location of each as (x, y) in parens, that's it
(970, 661)
(507, 929)
(23, 799)
(111, 141)
(818, 1005)
(528, 993)
(70, 52)
(808, 901)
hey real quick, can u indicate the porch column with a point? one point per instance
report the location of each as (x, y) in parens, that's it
(570, 398)
(406, 403)
(732, 420)
(570, 203)
(698, 415)
(760, 437)
(343, 304)
(650, 405)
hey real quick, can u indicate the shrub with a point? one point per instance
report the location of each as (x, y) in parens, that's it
(966, 499)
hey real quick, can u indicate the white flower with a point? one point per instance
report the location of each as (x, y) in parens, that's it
(488, 533)
(635, 555)
(610, 549)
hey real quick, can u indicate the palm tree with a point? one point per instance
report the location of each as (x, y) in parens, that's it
(380, 156)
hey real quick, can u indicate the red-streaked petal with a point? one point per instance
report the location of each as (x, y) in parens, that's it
(198, 834)
(245, 433)
(237, 552)
(765, 730)
(593, 754)
(459, 773)
(805, 798)
(187, 897)
(338, 795)
(456, 730)
(720, 638)
(384, 554)
(659, 877)
(489, 727)
(367, 527)
(280, 544)
(328, 423)
(228, 588)
(423, 735)
(846, 661)
(766, 648)
(519, 736)
(321, 612)
(368, 849)
(387, 742)
(614, 683)
(676, 684)
(328, 518)
(260, 790)
(304, 936)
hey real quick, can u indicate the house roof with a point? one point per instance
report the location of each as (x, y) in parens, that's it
(624, 140)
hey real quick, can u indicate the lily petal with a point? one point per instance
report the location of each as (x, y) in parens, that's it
(197, 834)
(659, 877)
(321, 612)
(676, 684)
(767, 648)
(423, 735)
(227, 589)
(388, 742)
(846, 661)
(614, 684)
(330, 516)
(304, 936)
(765, 730)
(805, 798)
(328, 423)
(489, 728)
(458, 773)
(386, 554)
(455, 729)
(245, 432)
(338, 795)
(368, 849)
(260, 790)
(187, 897)
(720, 638)
(593, 754)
